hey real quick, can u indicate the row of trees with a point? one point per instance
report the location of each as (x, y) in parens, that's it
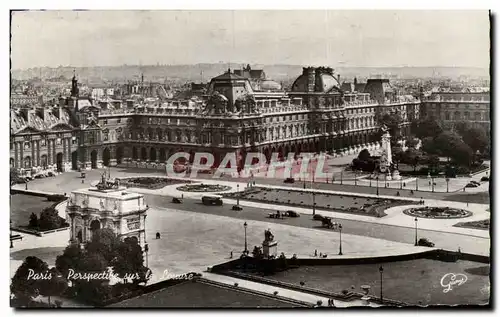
(104, 251)
(460, 144)
(49, 220)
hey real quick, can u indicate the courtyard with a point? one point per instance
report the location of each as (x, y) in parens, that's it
(416, 282)
(21, 207)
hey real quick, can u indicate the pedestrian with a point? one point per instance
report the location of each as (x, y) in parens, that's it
(253, 183)
(320, 254)
(231, 255)
(459, 251)
(411, 192)
(316, 252)
(304, 186)
(182, 196)
(397, 194)
(464, 188)
(158, 235)
(83, 181)
(26, 185)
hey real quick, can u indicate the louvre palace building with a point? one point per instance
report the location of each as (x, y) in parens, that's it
(238, 113)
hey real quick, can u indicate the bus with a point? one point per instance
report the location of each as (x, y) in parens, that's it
(212, 200)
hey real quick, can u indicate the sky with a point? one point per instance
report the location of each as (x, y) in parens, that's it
(334, 38)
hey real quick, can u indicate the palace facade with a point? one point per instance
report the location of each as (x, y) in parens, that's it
(235, 115)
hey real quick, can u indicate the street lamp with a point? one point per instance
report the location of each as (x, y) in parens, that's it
(246, 249)
(416, 184)
(237, 194)
(416, 229)
(341, 176)
(432, 183)
(381, 270)
(371, 179)
(447, 185)
(340, 235)
(355, 177)
(146, 249)
(377, 183)
(314, 203)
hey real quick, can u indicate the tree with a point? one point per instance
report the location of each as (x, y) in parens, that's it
(33, 221)
(14, 176)
(427, 127)
(446, 143)
(364, 155)
(49, 219)
(54, 286)
(27, 280)
(70, 259)
(412, 143)
(476, 139)
(393, 122)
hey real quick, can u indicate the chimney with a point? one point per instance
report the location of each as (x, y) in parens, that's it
(310, 72)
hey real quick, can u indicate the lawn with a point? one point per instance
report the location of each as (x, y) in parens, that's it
(201, 295)
(340, 203)
(415, 282)
(21, 207)
(481, 224)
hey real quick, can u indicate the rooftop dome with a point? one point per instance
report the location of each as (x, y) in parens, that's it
(269, 85)
(320, 79)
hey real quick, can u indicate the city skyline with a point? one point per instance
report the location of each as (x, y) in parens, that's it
(336, 38)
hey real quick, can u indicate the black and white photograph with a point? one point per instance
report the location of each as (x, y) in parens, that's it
(335, 159)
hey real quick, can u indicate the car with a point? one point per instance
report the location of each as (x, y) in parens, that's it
(423, 242)
(471, 185)
(485, 179)
(318, 217)
(289, 180)
(292, 214)
(176, 200)
(237, 208)
(476, 182)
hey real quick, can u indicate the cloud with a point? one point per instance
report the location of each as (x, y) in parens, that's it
(362, 38)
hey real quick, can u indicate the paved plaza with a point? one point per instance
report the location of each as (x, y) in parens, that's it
(194, 238)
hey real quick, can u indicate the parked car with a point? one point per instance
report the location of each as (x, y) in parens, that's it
(318, 217)
(292, 214)
(485, 179)
(476, 182)
(423, 242)
(289, 180)
(471, 185)
(176, 200)
(237, 208)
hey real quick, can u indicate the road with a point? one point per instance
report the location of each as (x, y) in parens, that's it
(469, 195)
(449, 241)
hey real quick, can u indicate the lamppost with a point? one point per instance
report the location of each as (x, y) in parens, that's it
(246, 249)
(146, 249)
(416, 184)
(401, 183)
(381, 270)
(341, 176)
(416, 229)
(447, 185)
(355, 177)
(314, 203)
(432, 183)
(371, 180)
(237, 194)
(377, 183)
(340, 235)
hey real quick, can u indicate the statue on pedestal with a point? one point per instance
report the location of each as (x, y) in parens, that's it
(268, 236)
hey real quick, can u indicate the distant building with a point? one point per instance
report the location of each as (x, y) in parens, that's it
(232, 116)
(258, 79)
(459, 106)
